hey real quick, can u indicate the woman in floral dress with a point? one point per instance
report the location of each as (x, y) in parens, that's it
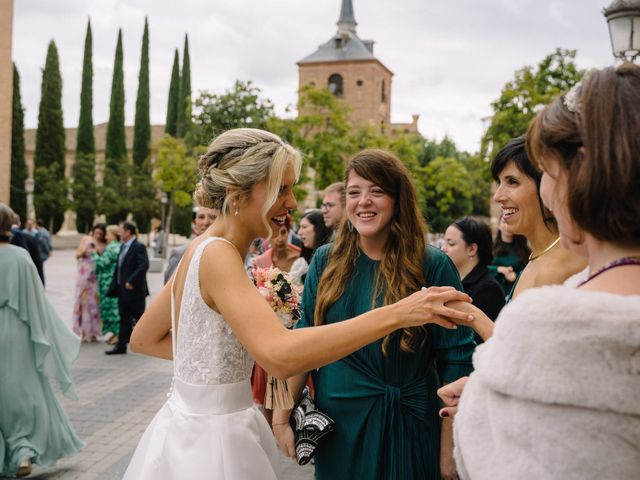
(86, 317)
(105, 266)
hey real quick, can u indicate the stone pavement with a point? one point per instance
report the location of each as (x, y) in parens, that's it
(118, 395)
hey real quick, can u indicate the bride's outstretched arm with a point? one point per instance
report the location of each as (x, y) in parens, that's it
(284, 353)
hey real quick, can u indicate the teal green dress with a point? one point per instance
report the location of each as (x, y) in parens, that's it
(385, 407)
(35, 348)
(509, 259)
(105, 266)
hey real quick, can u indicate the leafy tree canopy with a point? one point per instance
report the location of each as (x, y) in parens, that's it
(525, 95)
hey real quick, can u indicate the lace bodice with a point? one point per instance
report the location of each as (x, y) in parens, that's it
(208, 352)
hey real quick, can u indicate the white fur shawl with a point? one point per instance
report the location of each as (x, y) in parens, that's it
(556, 390)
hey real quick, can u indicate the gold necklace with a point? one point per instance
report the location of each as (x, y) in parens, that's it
(532, 257)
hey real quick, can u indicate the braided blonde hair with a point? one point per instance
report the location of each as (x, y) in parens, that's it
(238, 159)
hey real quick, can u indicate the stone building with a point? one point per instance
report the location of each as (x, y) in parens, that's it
(100, 133)
(6, 97)
(347, 66)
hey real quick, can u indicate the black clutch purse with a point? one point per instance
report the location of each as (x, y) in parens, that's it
(310, 426)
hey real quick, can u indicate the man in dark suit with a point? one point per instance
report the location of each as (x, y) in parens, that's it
(129, 284)
(29, 243)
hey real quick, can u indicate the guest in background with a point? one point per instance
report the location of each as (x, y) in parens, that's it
(45, 239)
(86, 313)
(157, 244)
(313, 233)
(35, 347)
(468, 244)
(204, 218)
(29, 243)
(129, 284)
(333, 205)
(105, 266)
(510, 256)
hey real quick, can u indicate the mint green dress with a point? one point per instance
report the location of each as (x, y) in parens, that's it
(385, 407)
(105, 266)
(35, 348)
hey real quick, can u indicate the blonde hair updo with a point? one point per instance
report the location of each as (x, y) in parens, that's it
(239, 159)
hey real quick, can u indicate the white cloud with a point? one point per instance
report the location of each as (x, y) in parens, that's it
(450, 60)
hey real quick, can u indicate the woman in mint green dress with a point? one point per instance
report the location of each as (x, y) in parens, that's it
(105, 266)
(35, 348)
(383, 396)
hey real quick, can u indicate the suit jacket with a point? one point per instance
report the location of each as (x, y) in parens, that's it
(134, 271)
(30, 244)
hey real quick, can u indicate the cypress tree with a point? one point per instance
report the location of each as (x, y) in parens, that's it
(84, 167)
(143, 206)
(114, 191)
(49, 156)
(184, 100)
(142, 126)
(171, 125)
(18, 196)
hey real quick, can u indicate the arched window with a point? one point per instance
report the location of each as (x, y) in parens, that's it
(335, 84)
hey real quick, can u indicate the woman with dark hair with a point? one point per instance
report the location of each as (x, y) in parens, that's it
(313, 232)
(510, 256)
(468, 244)
(86, 313)
(383, 396)
(518, 193)
(555, 391)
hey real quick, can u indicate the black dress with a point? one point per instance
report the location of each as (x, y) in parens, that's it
(485, 292)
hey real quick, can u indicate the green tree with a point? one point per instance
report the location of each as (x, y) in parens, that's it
(324, 134)
(114, 202)
(144, 190)
(17, 196)
(184, 99)
(84, 167)
(240, 106)
(49, 156)
(142, 126)
(526, 94)
(171, 125)
(447, 185)
(175, 171)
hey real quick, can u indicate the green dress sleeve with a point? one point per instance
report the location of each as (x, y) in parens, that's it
(454, 348)
(109, 257)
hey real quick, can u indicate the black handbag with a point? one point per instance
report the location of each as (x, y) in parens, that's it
(310, 426)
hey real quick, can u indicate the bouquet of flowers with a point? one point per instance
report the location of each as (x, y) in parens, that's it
(284, 297)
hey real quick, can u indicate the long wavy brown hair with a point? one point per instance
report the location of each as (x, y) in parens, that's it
(403, 260)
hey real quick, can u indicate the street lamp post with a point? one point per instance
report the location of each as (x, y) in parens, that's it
(623, 18)
(29, 186)
(163, 200)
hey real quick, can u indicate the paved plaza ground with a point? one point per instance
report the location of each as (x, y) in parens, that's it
(118, 395)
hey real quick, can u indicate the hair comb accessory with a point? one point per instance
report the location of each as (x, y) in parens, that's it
(571, 99)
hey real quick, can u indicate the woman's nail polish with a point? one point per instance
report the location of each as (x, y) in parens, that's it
(444, 413)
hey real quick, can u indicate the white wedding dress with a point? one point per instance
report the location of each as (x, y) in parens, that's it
(209, 427)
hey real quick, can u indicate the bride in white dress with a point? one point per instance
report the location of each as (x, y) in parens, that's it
(209, 427)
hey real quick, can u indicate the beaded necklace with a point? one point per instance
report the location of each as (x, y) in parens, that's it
(620, 262)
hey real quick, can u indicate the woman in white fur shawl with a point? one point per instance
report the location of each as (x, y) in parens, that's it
(556, 390)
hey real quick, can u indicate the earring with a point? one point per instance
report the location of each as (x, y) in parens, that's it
(236, 205)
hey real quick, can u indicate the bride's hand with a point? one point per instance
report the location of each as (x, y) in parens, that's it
(481, 324)
(284, 437)
(429, 306)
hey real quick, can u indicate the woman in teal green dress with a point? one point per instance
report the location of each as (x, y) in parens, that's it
(36, 347)
(383, 396)
(105, 266)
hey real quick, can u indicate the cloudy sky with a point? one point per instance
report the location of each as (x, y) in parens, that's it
(450, 59)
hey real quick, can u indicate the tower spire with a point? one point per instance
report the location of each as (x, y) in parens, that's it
(347, 20)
